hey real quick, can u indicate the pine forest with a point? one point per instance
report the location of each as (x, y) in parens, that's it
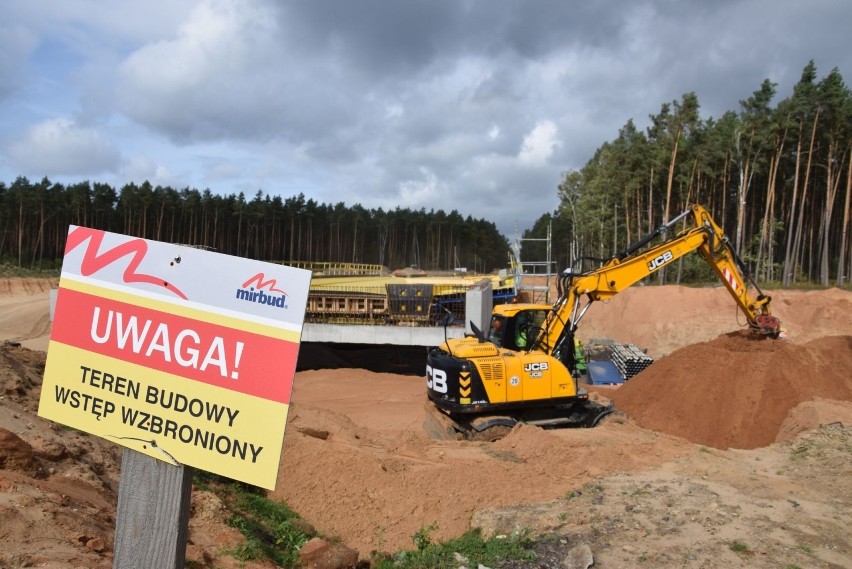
(776, 178)
(34, 222)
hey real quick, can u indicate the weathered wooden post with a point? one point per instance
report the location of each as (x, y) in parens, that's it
(152, 517)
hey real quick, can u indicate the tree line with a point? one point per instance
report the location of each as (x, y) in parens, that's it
(776, 177)
(34, 221)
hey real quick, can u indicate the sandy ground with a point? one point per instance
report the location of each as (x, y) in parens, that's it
(724, 440)
(25, 311)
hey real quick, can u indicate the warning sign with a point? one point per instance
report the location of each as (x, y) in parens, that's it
(179, 353)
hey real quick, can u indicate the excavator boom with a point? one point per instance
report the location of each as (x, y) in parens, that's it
(631, 266)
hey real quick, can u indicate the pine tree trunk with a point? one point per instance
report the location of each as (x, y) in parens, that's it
(797, 243)
(669, 193)
(832, 184)
(844, 232)
(789, 259)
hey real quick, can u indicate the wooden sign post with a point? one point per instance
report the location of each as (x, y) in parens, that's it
(152, 518)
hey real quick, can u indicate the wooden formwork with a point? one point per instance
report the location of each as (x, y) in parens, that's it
(346, 307)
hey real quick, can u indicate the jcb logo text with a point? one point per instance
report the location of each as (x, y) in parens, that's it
(436, 379)
(658, 262)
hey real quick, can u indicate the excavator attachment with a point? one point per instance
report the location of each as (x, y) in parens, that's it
(768, 325)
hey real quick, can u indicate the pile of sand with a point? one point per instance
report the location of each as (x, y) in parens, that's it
(737, 390)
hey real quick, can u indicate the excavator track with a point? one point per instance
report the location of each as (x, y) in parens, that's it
(440, 425)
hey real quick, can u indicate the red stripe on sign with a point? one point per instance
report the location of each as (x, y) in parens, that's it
(217, 355)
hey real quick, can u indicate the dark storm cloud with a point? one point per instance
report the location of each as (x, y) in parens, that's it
(409, 35)
(311, 68)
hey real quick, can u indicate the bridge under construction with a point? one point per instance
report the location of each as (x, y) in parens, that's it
(342, 293)
(366, 316)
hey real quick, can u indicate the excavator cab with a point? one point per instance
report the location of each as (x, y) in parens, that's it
(515, 326)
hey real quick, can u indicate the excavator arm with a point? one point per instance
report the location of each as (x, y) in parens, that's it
(632, 265)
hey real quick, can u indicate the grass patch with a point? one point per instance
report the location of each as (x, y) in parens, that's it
(48, 269)
(801, 451)
(475, 550)
(507, 455)
(273, 532)
(572, 494)
(739, 547)
(270, 528)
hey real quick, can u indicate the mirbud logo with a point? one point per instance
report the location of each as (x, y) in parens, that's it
(253, 291)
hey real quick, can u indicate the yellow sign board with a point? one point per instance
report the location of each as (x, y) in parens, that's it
(179, 353)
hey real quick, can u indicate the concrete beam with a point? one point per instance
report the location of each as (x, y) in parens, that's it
(393, 335)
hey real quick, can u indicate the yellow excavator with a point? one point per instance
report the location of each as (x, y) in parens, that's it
(525, 369)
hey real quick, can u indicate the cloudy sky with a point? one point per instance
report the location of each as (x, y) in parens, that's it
(472, 105)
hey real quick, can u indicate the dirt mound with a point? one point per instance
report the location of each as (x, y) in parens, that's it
(736, 391)
(812, 414)
(15, 453)
(57, 486)
(25, 311)
(26, 286)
